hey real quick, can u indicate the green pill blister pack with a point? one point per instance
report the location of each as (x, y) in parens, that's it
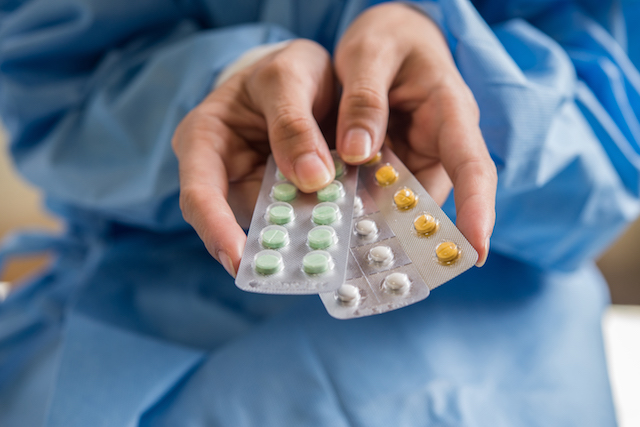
(298, 243)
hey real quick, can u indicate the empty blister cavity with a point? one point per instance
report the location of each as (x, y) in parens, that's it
(325, 213)
(280, 213)
(274, 237)
(425, 224)
(405, 198)
(321, 237)
(447, 253)
(331, 192)
(386, 175)
(284, 191)
(268, 262)
(317, 262)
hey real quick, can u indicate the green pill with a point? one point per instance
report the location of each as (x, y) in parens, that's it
(284, 192)
(268, 262)
(316, 262)
(339, 165)
(325, 213)
(321, 237)
(279, 175)
(280, 213)
(331, 192)
(274, 237)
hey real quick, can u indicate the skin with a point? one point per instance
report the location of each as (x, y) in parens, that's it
(399, 84)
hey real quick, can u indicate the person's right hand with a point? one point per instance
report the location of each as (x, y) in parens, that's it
(222, 145)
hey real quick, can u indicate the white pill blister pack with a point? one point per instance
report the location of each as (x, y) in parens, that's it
(298, 243)
(402, 245)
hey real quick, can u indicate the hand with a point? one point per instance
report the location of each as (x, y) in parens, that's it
(222, 145)
(399, 79)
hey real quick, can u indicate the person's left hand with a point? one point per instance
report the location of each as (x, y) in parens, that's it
(399, 79)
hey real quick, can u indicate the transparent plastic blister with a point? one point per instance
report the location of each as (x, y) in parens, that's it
(417, 221)
(380, 275)
(427, 249)
(298, 243)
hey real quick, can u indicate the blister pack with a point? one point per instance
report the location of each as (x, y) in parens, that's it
(403, 245)
(298, 243)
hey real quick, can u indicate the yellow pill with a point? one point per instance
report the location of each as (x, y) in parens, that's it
(386, 175)
(375, 159)
(425, 224)
(447, 252)
(405, 198)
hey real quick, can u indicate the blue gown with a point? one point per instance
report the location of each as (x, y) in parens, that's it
(136, 325)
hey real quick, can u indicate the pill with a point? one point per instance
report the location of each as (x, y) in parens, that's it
(358, 206)
(268, 262)
(398, 283)
(280, 213)
(366, 228)
(274, 237)
(279, 175)
(381, 254)
(405, 198)
(375, 159)
(426, 224)
(386, 175)
(331, 192)
(321, 237)
(348, 294)
(447, 252)
(284, 192)
(325, 213)
(316, 262)
(338, 165)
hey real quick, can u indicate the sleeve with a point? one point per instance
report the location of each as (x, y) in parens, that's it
(92, 90)
(559, 104)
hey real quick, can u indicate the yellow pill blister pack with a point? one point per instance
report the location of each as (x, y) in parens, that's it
(299, 243)
(402, 245)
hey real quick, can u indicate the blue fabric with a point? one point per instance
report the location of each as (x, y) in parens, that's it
(136, 325)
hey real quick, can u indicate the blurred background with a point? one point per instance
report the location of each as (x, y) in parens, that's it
(22, 209)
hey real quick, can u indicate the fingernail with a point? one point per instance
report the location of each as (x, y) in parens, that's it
(356, 146)
(482, 260)
(311, 172)
(227, 264)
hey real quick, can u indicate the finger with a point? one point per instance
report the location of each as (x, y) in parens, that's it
(428, 170)
(366, 68)
(435, 180)
(467, 161)
(291, 89)
(204, 187)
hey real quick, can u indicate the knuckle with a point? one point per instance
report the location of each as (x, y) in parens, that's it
(274, 72)
(457, 98)
(365, 97)
(290, 123)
